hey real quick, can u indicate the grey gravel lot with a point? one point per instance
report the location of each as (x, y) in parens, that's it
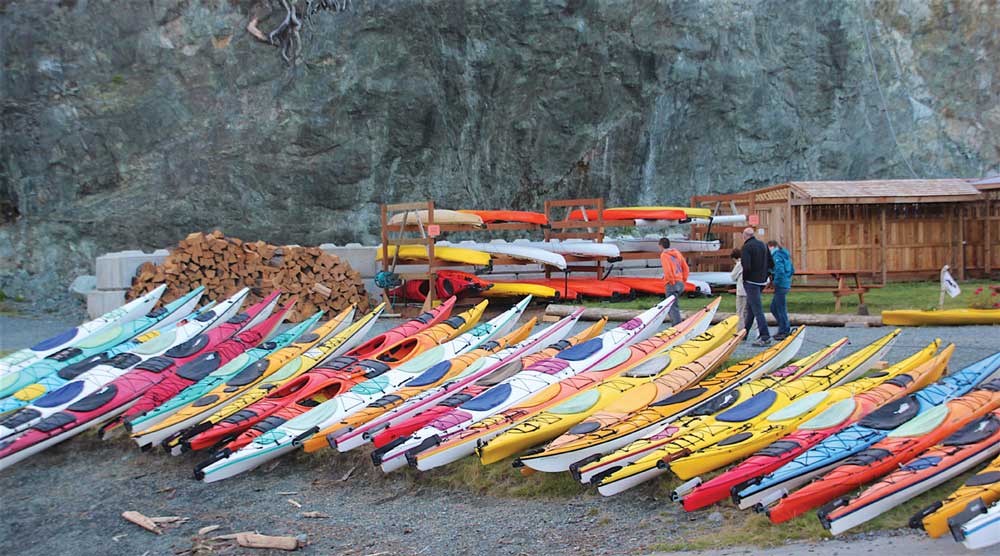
(68, 500)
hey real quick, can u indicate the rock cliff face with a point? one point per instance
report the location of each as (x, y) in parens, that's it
(130, 124)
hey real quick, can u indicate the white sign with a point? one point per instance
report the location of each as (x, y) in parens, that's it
(948, 284)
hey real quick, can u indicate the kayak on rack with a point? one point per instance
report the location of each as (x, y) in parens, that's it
(518, 289)
(50, 373)
(225, 388)
(441, 216)
(431, 404)
(518, 388)
(948, 317)
(899, 446)
(293, 433)
(69, 338)
(657, 286)
(982, 488)
(450, 254)
(505, 216)
(591, 287)
(651, 244)
(91, 379)
(448, 283)
(220, 376)
(969, 446)
(578, 248)
(777, 424)
(812, 430)
(513, 250)
(843, 443)
(644, 213)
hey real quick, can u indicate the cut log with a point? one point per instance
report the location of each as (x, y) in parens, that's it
(256, 540)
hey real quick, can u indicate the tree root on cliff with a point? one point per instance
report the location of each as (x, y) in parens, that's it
(287, 36)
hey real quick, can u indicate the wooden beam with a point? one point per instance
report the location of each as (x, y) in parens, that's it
(961, 241)
(883, 235)
(989, 236)
(803, 243)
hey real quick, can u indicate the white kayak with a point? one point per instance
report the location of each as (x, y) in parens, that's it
(126, 313)
(651, 244)
(516, 389)
(579, 248)
(280, 440)
(514, 250)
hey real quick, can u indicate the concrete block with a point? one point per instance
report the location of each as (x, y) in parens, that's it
(361, 259)
(102, 301)
(116, 270)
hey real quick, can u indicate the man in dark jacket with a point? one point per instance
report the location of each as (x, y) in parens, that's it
(757, 264)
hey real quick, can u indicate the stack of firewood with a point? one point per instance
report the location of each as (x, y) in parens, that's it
(225, 264)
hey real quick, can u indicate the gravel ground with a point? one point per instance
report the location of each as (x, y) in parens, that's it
(405, 513)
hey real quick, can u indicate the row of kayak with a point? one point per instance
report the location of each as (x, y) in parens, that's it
(615, 408)
(448, 283)
(483, 217)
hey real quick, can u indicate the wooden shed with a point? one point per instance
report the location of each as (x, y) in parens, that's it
(890, 229)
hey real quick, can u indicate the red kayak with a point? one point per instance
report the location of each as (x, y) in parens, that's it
(655, 286)
(808, 435)
(417, 324)
(587, 287)
(900, 446)
(216, 346)
(503, 216)
(187, 375)
(448, 283)
(631, 214)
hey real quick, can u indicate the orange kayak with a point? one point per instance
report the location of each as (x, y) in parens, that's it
(631, 214)
(586, 287)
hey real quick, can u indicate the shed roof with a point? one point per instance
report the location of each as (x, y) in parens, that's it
(987, 184)
(882, 191)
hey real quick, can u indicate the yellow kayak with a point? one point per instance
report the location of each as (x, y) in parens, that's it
(691, 212)
(984, 486)
(515, 289)
(745, 440)
(450, 254)
(949, 317)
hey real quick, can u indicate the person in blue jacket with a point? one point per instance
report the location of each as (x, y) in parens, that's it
(781, 276)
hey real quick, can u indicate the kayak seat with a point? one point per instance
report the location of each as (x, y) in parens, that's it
(868, 457)
(206, 316)
(735, 439)
(20, 418)
(891, 416)
(983, 479)
(680, 397)
(718, 403)
(200, 367)
(582, 351)
(65, 354)
(55, 421)
(386, 401)
(779, 448)
(190, 347)
(424, 317)
(124, 360)
(432, 375)
(455, 322)
(249, 374)
(976, 431)
(69, 372)
(269, 423)
(156, 364)
(375, 368)
(750, 408)
(60, 396)
(489, 399)
(240, 318)
(902, 381)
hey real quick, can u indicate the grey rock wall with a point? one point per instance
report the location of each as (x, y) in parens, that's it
(128, 124)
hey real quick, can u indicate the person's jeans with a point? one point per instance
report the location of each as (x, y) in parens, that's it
(676, 289)
(755, 310)
(779, 308)
(741, 310)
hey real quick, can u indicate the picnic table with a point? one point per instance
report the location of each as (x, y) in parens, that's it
(847, 282)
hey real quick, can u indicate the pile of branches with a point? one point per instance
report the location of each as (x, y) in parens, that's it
(287, 36)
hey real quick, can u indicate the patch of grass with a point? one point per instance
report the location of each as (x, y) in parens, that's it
(903, 295)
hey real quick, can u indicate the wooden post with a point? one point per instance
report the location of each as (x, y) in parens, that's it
(961, 241)
(802, 237)
(882, 241)
(989, 235)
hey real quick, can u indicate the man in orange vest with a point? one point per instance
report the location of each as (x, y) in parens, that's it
(675, 275)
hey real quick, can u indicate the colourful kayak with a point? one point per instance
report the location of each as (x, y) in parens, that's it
(293, 433)
(69, 338)
(448, 283)
(982, 488)
(503, 216)
(949, 317)
(520, 289)
(223, 390)
(450, 254)
(93, 378)
(586, 287)
(518, 388)
(852, 439)
(981, 531)
(813, 430)
(59, 368)
(899, 446)
(969, 446)
(633, 213)
(220, 375)
(431, 404)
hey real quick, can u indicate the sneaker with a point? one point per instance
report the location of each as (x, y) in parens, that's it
(762, 343)
(780, 336)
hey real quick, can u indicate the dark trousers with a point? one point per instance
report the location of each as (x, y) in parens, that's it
(779, 308)
(677, 290)
(755, 310)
